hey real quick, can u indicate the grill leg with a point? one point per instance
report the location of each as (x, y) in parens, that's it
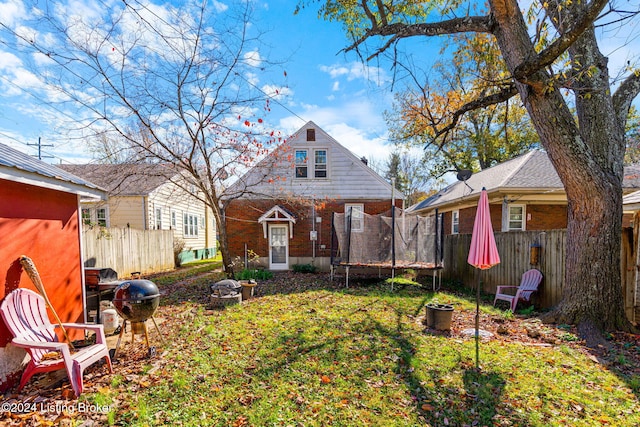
(124, 326)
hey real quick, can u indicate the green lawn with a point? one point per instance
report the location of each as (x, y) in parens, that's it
(351, 357)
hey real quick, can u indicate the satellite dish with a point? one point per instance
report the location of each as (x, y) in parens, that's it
(464, 174)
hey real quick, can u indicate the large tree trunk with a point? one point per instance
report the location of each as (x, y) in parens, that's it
(588, 157)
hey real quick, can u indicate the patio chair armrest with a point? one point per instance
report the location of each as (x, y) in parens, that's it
(53, 346)
(97, 329)
(89, 326)
(502, 287)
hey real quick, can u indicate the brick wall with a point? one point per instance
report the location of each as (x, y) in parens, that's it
(539, 217)
(243, 228)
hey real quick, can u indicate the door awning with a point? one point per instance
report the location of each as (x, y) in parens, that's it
(277, 214)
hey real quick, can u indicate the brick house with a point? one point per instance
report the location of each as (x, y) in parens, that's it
(525, 194)
(40, 218)
(284, 215)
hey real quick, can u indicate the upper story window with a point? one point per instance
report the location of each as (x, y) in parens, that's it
(301, 164)
(357, 218)
(311, 134)
(455, 222)
(315, 167)
(516, 217)
(320, 164)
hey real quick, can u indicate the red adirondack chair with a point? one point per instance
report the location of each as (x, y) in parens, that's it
(25, 314)
(528, 285)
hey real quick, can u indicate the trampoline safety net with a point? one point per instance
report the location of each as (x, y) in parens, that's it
(394, 240)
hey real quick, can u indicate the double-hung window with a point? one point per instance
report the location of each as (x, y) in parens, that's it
(320, 164)
(101, 217)
(301, 164)
(455, 222)
(516, 217)
(190, 225)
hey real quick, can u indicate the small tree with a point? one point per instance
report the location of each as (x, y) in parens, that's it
(166, 85)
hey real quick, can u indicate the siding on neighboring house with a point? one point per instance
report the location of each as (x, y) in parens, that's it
(334, 177)
(139, 193)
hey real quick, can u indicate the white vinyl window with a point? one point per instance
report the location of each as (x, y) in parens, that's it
(516, 217)
(301, 164)
(101, 217)
(95, 216)
(86, 216)
(158, 219)
(356, 210)
(455, 222)
(320, 164)
(190, 225)
(174, 220)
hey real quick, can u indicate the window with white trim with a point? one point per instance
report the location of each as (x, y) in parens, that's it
(320, 163)
(516, 217)
(455, 222)
(301, 164)
(101, 217)
(95, 216)
(158, 219)
(86, 216)
(174, 220)
(190, 225)
(356, 210)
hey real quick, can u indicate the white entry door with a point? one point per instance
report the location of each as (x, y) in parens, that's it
(278, 247)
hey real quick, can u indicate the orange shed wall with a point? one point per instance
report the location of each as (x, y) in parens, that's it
(42, 224)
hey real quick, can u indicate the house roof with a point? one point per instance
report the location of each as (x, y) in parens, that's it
(124, 179)
(530, 173)
(349, 177)
(20, 167)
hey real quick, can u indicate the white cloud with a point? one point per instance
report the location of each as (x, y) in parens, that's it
(336, 86)
(252, 58)
(9, 61)
(11, 12)
(356, 71)
(277, 92)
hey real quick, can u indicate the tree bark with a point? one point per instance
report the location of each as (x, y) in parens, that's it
(588, 158)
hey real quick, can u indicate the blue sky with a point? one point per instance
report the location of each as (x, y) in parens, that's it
(337, 91)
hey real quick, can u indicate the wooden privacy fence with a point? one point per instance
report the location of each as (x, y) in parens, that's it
(514, 249)
(127, 250)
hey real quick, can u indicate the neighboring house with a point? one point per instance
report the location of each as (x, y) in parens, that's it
(39, 218)
(525, 194)
(285, 214)
(150, 197)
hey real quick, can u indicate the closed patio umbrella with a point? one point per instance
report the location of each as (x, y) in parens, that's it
(483, 253)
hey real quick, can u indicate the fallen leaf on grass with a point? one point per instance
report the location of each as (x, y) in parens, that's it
(325, 379)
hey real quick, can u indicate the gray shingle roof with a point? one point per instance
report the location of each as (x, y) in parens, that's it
(124, 179)
(532, 171)
(19, 166)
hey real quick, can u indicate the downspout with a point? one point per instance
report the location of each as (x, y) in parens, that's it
(145, 213)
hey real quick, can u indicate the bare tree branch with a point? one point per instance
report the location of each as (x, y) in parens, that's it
(547, 56)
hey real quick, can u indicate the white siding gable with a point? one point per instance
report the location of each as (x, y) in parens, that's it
(347, 177)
